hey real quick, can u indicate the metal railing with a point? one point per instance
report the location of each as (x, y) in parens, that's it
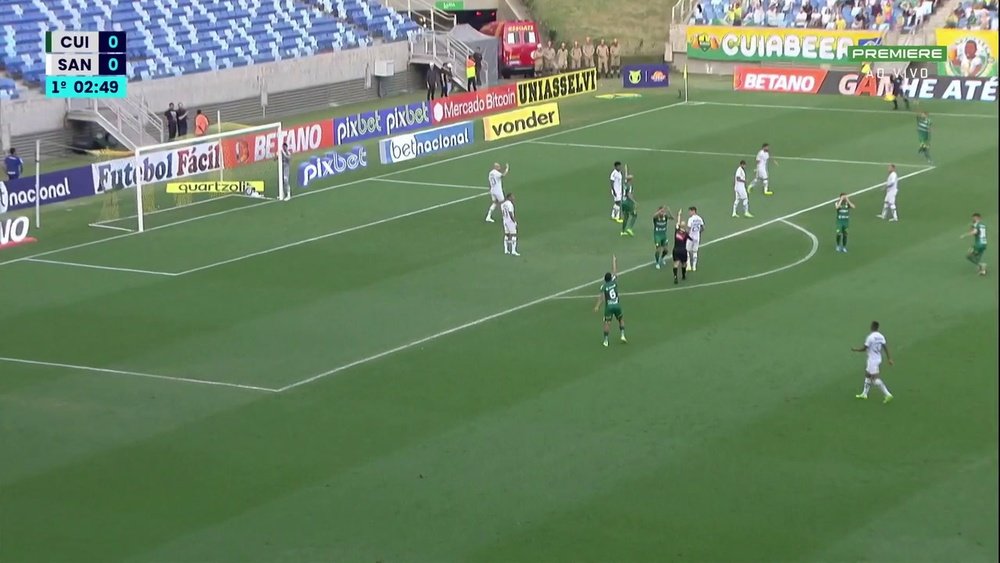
(128, 120)
(442, 48)
(415, 10)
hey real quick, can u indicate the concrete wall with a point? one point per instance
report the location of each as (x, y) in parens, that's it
(26, 117)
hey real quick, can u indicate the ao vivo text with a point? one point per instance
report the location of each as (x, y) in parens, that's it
(14, 231)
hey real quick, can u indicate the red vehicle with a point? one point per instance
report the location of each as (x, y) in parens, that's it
(518, 39)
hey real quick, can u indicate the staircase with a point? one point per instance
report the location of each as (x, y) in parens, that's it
(127, 120)
(439, 48)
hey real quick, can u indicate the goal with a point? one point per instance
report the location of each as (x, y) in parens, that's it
(190, 178)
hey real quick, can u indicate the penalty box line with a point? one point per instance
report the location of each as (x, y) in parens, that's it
(564, 292)
(727, 154)
(355, 182)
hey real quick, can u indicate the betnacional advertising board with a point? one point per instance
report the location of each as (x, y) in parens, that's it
(770, 44)
(424, 143)
(917, 85)
(54, 187)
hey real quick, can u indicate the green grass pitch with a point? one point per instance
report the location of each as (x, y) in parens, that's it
(361, 375)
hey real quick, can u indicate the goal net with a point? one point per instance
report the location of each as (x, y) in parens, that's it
(189, 179)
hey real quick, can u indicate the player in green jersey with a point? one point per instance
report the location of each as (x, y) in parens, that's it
(628, 207)
(924, 135)
(609, 298)
(978, 234)
(844, 207)
(660, 220)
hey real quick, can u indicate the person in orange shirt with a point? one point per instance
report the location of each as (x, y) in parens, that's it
(200, 124)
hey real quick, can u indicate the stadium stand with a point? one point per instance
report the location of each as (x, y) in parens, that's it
(974, 15)
(883, 15)
(172, 38)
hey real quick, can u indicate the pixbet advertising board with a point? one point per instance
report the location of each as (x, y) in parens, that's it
(381, 123)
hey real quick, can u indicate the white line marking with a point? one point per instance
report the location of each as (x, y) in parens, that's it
(844, 110)
(136, 374)
(592, 283)
(812, 252)
(328, 235)
(96, 267)
(727, 154)
(432, 184)
(106, 226)
(358, 181)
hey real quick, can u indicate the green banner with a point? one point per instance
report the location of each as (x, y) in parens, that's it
(450, 5)
(774, 45)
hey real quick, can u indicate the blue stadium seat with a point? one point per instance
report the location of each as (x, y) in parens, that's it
(170, 38)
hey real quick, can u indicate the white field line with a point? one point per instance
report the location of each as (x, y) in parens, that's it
(96, 267)
(328, 235)
(840, 110)
(135, 374)
(728, 154)
(809, 256)
(104, 226)
(558, 294)
(433, 184)
(358, 181)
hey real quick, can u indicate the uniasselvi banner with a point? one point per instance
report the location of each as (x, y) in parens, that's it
(773, 45)
(971, 53)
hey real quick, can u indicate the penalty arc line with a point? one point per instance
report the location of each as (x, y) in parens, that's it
(814, 240)
(558, 294)
(353, 182)
(135, 374)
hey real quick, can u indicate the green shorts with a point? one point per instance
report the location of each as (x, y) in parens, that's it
(978, 251)
(924, 138)
(628, 206)
(614, 311)
(660, 240)
(842, 226)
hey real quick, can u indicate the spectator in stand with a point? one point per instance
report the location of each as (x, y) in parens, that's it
(171, 116)
(826, 17)
(182, 120)
(699, 15)
(433, 79)
(841, 23)
(774, 18)
(758, 15)
(13, 165)
(200, 123)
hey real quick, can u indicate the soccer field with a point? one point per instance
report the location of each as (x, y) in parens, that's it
(362, 375)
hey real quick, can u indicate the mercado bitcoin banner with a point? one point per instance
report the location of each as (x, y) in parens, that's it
(772, 45)
(971, 53)
(550, 88)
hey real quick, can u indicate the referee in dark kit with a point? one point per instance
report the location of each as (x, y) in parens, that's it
(897, 92)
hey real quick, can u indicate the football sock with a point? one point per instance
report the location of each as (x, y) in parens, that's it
(892, 208)
(885, 210)
(866, 388)
(694, 260)
(631, 221)
(513, 243)
(506, 246)
(766, 189)
(843, 237)
(621, 328)
(746, 206)
(736, 205)
(657, 255)
(616, 211)
(675, 272)
(838, 240)
(684, 274)
(489, 214)
(972, 259)
(881, 387)
(606, 335)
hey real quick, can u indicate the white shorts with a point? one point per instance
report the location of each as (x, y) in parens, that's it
(616, 196)
(692, 245)
(509, 228)
(872, 368)
(741, 193)
(890, 197)
(497, 196)
(762, 173)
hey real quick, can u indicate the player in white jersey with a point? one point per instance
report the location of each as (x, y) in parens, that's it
(763, 159)
(509, 226)
(891, 188)
(285, 193)
(740, 187)
(496, 189)
(874, 346)
(695, 226)
(617, 192)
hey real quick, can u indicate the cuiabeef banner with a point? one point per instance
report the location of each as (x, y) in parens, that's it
(971, 53)
(773, 45)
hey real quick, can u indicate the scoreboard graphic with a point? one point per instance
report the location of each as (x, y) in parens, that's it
(85, 64)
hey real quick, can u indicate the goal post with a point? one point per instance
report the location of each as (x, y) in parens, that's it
(190, 178)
